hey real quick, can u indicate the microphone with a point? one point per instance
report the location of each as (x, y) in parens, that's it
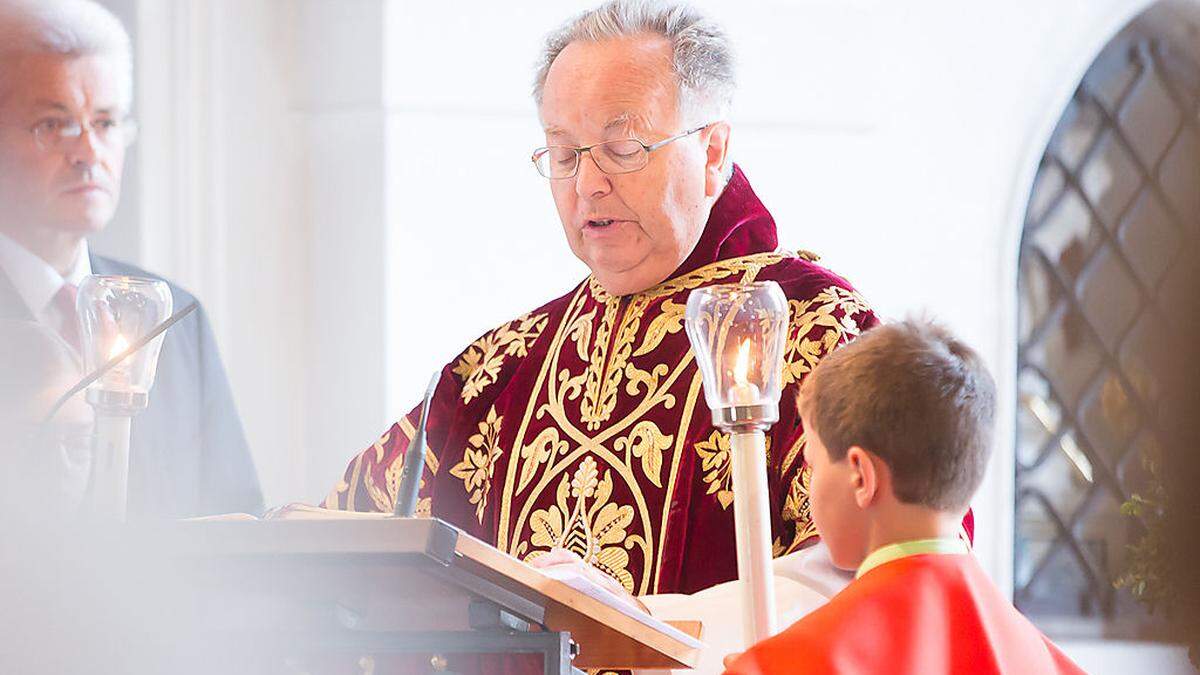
(414, 459)
(112, 363)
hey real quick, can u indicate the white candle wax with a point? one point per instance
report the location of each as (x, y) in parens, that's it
(110, 472)
(744, 394)
(752, 520)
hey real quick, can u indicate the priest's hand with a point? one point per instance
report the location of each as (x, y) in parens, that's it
(730, 658)
(561, 560)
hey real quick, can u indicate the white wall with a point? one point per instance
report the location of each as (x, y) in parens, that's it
(223, 155)
(121, 237)
(261, 189)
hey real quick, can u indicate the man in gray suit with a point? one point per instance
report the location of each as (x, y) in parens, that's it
(66, 86)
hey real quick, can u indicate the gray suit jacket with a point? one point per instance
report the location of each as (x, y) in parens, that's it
(188, 453)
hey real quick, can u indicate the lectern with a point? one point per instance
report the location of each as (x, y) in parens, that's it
(315, 588)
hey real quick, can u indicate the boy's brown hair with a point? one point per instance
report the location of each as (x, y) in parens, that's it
(915, 396)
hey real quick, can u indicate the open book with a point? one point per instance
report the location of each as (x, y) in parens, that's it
(296, 511)
(625, 605)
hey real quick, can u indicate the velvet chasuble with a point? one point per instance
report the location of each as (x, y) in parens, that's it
(582, 424)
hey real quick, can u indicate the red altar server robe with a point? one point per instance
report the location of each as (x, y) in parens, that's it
(923, 614)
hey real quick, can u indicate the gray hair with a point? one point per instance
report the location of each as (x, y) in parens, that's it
(702, 55)
(70, 28)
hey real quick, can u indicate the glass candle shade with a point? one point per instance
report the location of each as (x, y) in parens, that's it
(738, 334)
(115, 312)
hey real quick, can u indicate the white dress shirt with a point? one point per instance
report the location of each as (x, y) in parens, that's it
(37, 282)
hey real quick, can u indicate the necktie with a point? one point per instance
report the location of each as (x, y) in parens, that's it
(64, 301)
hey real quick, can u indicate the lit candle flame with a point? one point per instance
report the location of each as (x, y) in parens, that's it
(741, 367)
(118, 347)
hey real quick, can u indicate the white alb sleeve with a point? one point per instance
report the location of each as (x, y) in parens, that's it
(804, 580)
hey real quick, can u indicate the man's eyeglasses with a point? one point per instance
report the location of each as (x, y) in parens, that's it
(53, 133)
(612, 157)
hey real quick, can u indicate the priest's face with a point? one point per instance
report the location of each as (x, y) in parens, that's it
(51, 180)
(840, 521)
(631, 229)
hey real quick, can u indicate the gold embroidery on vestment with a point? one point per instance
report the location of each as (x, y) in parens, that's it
(646, 442)
(479, 461)
(620, 444)
(689, 406)
(607, 367)
(479, 366)
(794, 453)
(547, 367)
(797, 509)
(802, 352)
(596, 533)
(551, 444)
(715, 462)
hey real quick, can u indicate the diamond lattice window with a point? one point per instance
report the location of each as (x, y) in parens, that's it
(1114, 208)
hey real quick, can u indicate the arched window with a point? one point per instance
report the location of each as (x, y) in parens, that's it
(1114, 208)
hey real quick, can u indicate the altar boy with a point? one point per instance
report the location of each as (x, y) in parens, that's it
(899, 432)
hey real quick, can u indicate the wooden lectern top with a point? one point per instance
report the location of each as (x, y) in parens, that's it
(421, 574)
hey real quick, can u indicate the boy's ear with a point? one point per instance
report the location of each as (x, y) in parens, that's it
(864, 475)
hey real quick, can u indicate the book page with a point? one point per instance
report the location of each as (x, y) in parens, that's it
(624, 605)
(295, 511)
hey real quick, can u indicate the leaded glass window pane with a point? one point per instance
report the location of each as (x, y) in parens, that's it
(1115, 206)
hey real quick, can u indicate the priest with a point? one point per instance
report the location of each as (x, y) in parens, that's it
(581, 425)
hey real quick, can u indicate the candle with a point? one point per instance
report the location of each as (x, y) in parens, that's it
(748, 452)
(744, 391)
(115, 312)
(110, 470)
(753, 320)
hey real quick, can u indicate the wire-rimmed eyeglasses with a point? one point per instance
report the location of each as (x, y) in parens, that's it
(52, 133)
(612, 157)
